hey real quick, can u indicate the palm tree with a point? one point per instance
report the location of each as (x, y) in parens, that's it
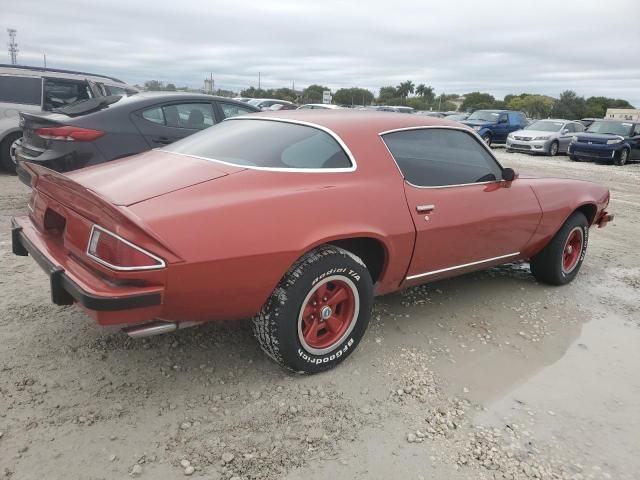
(405, 88)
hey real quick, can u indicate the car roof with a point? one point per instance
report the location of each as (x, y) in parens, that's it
(169, 96)
(271, 100)
(346, 122)
(25, 70)
(555, 120)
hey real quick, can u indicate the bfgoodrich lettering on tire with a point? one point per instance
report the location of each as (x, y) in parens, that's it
(318, 313)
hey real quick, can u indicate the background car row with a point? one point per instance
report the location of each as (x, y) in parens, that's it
(35, 90)
(74, 119)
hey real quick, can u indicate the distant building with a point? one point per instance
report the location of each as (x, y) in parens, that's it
(630, 114)
(209, 84)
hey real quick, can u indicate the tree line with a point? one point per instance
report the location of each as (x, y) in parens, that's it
(423, 97)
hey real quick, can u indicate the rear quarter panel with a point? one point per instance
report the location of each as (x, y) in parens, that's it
(238, 235)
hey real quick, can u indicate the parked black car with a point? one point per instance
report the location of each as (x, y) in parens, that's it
(106, 128)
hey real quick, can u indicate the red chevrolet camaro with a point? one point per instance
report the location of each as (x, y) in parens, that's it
(295, 219)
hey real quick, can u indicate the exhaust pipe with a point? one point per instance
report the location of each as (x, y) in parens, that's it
(151, 328)
(157, 327)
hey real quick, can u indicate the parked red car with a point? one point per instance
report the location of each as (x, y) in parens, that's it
(295, 219)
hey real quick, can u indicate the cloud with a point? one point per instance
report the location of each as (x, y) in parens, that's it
(497, 46)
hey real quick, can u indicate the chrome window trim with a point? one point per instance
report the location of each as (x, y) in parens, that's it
(161, 262)
(335, 136)
(441, 127)
(457, 267)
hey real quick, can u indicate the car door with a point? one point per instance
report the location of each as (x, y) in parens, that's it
(566, 134)
(465, 216)
(634, 142)
(501, 129)
(162, 124)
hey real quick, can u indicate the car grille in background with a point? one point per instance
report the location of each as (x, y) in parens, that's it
(593, 153)
(520, 147)
(592, 141)
(523, 139)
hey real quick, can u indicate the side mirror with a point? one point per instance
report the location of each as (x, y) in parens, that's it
(509, 174)
(565, 131)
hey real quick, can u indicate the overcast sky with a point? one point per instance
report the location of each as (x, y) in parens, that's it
(457, 46)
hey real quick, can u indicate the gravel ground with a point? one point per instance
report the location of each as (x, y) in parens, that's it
(486, 376)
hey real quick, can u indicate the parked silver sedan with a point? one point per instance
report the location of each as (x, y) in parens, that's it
(550, 137)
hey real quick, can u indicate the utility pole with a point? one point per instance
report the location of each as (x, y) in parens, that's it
(13, 46)
(45, 60)
(259, 74)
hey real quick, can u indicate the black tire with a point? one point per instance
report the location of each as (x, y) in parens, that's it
(486, 138)
(508, 150)
(550, 265)
(279, 327)
(573, 158)
(6, 160)
(623, 158)
(553, 148)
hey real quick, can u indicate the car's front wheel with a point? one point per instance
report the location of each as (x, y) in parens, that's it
(486, 138)
(623, 158)
(559, 262)
(318, 313)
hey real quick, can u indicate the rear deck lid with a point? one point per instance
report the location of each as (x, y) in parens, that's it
(151, 174)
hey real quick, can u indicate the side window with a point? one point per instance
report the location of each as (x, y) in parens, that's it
(231, 109)
(113, 90)
(636, 130)
(60, 92)
(195, 116)
(578, 127)
(437, 157)
(571, 127)
(522, 120)
(154, 115)
(21, 90)
(503, 118)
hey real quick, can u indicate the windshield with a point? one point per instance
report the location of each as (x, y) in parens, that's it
(265, 144)
(612, 128)
(545, 126)
(484, 116)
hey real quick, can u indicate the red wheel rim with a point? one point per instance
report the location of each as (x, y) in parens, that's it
(328, 314)
(572, 250)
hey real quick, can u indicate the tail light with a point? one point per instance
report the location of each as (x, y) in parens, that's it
(115, 252)
(69, 133)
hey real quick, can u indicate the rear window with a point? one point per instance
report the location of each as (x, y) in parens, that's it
(23, 90)
(266, 144)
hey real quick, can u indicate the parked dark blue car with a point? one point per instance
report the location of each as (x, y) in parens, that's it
(616, 141)
(494, 125)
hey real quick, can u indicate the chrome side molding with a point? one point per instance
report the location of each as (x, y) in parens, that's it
(456, 267)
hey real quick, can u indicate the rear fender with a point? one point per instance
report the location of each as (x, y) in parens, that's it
(51, 188)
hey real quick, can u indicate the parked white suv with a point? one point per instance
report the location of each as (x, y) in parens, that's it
(33, 89)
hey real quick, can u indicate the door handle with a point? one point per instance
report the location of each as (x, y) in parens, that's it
(425, 208)
(162, 140)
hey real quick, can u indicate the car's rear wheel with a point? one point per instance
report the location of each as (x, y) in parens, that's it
(8, 148)
(559, 262)
(623, 158)
(553, 148)
(318, 313)
(486, 138)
